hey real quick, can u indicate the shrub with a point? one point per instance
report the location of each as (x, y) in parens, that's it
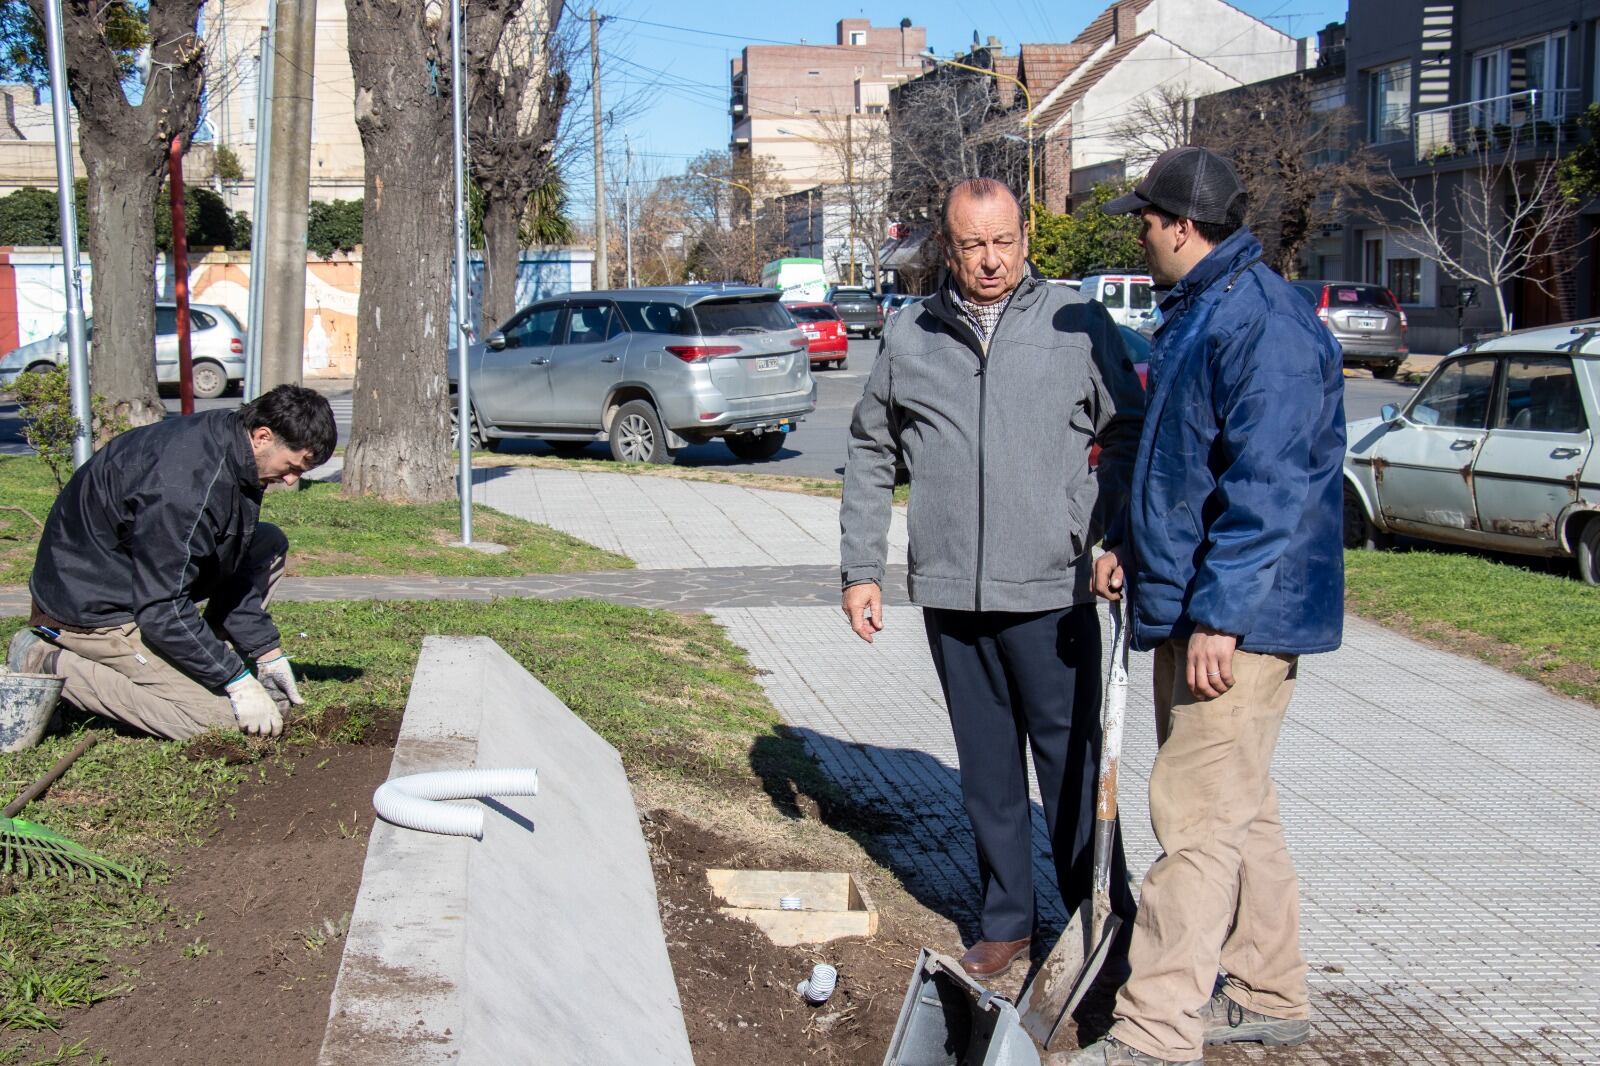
(48, 424)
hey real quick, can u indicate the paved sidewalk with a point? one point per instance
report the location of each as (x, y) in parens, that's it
(1443, 813)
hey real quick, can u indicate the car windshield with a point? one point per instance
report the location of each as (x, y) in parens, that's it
(1357, 296)
(722, 318)
(814, 314)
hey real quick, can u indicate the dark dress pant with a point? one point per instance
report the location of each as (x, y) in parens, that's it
(1014, 682)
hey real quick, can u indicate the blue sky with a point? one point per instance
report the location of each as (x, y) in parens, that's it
(677, 69)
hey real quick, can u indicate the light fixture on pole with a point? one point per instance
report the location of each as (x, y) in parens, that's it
(463, 302)
(66, 206)
(1027, 116)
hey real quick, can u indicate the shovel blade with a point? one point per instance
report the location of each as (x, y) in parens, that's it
(1045, 998)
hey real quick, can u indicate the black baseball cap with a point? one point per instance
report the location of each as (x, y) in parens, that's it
(1187, 182)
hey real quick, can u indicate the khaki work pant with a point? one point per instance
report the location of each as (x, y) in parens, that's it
(112, 672)
(1223, 894)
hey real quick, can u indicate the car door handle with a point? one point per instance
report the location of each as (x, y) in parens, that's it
(1565, 453)
(1462, 444)
(541, 361)
(610, 359)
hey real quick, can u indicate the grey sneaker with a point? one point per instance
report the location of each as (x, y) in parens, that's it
(1112, 1052)
(1229, 1023)
(26, 652)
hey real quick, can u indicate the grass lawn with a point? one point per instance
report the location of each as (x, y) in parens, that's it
(678, 700)
(1545, 627)
(330, 534)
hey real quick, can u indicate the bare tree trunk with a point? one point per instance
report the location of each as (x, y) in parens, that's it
(124, 148)
(502, 243)
(400, 56)
(122, 249)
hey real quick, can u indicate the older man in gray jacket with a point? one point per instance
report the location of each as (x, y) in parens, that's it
(992, 393)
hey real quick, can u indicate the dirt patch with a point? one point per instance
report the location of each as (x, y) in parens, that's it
(257, 917)
(738, 988)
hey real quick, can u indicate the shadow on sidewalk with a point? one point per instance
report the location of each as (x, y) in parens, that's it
(861, 790)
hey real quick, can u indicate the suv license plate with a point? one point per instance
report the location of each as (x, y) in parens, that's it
(770, 363)
(1369, 323)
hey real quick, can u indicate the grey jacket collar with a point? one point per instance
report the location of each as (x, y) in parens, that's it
(942, 305)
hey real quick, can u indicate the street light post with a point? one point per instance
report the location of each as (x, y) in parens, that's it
(1027, 119)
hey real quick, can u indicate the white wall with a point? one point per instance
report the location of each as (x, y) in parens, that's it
(1241, 46)
(1157, 63)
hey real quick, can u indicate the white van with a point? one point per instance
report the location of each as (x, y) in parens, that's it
(1126, 296)
(799, 280)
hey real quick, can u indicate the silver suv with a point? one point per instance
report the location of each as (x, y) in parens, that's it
(650, 371)
(216, 345)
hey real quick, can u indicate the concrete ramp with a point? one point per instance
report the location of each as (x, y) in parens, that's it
(542, 942)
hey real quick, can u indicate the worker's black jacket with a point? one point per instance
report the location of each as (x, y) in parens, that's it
(150, 526)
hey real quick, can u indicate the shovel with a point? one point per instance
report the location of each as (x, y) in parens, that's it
(1070, 969)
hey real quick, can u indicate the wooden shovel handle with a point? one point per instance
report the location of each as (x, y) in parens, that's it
(35, 790)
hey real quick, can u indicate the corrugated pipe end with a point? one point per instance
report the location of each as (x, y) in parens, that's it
(416, 801)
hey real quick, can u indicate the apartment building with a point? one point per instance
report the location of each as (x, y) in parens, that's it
(233, 35)
(1443, 90)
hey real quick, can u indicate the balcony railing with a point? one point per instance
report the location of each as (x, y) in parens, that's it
(1536, 121)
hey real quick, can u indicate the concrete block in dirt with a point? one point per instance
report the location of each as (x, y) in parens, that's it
(542, 942)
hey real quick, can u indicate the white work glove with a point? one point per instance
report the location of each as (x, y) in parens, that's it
(253, 707)
(277, 675)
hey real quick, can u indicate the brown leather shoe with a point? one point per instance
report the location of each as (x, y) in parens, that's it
(988, 959)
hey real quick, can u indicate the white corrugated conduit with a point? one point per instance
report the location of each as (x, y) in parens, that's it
(416, 802)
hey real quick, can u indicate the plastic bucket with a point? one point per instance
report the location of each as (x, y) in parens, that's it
(26, 703)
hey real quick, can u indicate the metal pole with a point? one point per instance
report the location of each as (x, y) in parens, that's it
(180, 274)
(67, 207)
(850, 191)
(258, 224)
(463, 308)
(627, 207)
(602, 268)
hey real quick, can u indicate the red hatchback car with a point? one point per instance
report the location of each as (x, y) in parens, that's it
(826, 338)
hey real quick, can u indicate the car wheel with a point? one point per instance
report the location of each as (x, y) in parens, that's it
(40, 368)
(209, 380)
(637, 436)
(754, 447)
(840, 364)
(1386, 372)
(1589, 552)
(479, 440)
(568, 449)
(1359, 532)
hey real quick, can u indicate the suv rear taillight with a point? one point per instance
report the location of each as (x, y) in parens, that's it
(236, 346)
(1322, 305)
(690, 353)
(1397, 309)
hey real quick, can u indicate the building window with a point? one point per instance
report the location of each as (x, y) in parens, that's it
(1536, 66)
(1389, 103)
(1405, 279)
(858, 37)
(813, 73)
(874, 109)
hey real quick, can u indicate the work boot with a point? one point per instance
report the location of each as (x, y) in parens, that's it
(988, 959)
(1111, 1052)
(1228, 1022)
(28, 652)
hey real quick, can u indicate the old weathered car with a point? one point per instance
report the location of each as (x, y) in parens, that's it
(1494, 451)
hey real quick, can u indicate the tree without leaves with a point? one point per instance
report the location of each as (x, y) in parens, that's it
(514, 118)
(124, 147)
(1504, 219)
(1294, 161)
(400, 56)
(1154, 122)
(719, 218)
(860, 156)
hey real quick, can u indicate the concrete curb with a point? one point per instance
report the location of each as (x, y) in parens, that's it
(541, 942)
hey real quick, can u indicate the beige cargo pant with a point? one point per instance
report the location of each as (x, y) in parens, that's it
(1223, 895)
(112, 672)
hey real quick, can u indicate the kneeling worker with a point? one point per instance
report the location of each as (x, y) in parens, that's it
(159, 521)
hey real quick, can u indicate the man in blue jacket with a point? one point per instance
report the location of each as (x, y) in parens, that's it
(1231, 548)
